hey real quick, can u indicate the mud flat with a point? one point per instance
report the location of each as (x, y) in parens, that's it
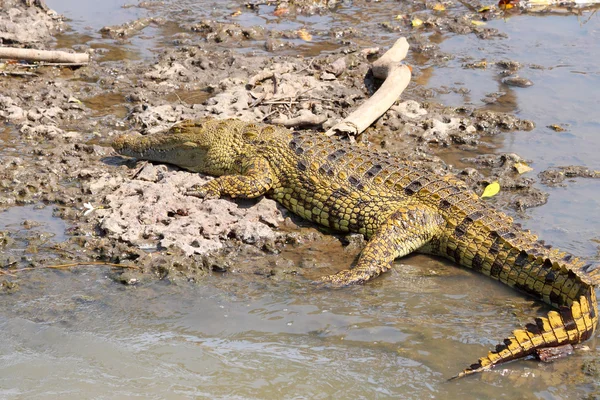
(62, 121)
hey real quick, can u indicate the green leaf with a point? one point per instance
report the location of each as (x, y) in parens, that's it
(491, 190)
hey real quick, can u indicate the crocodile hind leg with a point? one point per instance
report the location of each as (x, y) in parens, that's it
(404, 231)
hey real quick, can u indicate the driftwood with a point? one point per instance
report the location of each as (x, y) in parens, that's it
(396, 77)
(43, 55)
(306, 118)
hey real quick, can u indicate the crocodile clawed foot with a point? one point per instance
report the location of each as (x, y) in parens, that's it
(342, 279)
(202, 192)
(325, 284)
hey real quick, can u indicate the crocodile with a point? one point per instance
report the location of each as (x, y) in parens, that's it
(398, 206)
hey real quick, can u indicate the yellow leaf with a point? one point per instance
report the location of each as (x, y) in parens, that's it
(477, 23)
(236, 13)
(556, 128)
(491, 190)
(484, 9)
(439, 7)
(479, 64)
(304, 35)
(416, 22)
(522, 167)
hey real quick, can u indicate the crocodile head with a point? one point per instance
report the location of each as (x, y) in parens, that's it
(181, 149)
(208, 146)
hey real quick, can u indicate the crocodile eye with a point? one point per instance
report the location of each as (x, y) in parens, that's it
(250, 133)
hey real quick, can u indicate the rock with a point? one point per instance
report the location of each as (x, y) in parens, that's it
(410, 109)
(517, 81)
(326, 76)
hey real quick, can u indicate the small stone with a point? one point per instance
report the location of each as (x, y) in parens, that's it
(554, 353)
(326, 76)
(517, 81)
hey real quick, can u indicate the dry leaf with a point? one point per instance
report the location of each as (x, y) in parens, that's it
(491, 190)
(416, 22)
(522, 167)
(237, 13)
(304, 35)
(506, 4)
(477, 23)
(480, 64)
(439, 7)
(556, 128)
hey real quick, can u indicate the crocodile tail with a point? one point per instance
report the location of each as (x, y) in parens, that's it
(571, 324)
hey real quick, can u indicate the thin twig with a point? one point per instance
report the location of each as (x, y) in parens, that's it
(17, 73)
(308, 66)
(281, 102)
(588, 20)
(274, 78)
(269, 114)
(137, 172)
(178, 98)
(258, 100)
(67, 266)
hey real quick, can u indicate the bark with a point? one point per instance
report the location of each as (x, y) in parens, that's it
(43, 55)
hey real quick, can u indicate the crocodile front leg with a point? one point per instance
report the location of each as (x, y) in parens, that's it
(404, 231)
(257, 179)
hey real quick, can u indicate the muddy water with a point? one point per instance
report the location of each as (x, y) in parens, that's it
(559, 55)
(81, 335)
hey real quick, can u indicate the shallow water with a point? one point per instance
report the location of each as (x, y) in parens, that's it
(565, 92)
(80, 335)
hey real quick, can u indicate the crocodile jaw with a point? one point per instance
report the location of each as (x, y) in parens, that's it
(172, 149)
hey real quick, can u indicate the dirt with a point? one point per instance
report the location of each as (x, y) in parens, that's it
(59, 124)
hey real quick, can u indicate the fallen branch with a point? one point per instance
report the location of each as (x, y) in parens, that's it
(47, 64)
(306, 118)
(262, 76)
(67, 266)
(396, 77)
(53, 56)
